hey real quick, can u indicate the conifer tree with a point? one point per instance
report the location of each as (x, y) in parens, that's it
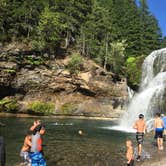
(150, 33)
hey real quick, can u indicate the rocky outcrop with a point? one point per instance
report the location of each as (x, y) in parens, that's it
(92, 90)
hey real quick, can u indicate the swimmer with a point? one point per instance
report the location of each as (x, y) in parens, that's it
(140, 126)
(159, 127)
(80, 132)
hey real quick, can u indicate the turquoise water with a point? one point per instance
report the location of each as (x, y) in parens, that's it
(63, 146)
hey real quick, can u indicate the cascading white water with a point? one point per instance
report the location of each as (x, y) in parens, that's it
(130, 93)
(153, 86)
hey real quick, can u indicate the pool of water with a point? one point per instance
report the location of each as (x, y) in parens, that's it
(63, 146)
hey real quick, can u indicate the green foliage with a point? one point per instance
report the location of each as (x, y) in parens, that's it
(88, 26)
(49, 30)
(163, 42)
(34, 60)
(11, 71)
(150, 33)
(133, 71)
(75, 64)
(8, 105)
(117, 56)
(41, 108)
(68, 108)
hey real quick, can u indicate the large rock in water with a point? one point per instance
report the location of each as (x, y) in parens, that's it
(92, 91)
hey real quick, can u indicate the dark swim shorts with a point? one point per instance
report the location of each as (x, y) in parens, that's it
(139, 137)
(131, 163)
(159, 133)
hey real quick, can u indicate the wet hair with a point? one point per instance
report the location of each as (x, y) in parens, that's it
(141, 116)
(37, 129)
(158, 114)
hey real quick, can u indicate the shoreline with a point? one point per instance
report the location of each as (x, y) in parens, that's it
(20, 115)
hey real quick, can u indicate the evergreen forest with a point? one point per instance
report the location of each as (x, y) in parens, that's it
(117, 34)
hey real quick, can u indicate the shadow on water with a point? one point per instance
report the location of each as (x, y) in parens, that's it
(63, 146)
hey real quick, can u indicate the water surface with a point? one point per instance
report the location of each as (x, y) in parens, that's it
(63, 146)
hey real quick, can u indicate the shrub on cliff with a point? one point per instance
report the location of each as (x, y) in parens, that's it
(41, 108)
(68, 108)
(133, 71)
(8, 105)
(75, 64)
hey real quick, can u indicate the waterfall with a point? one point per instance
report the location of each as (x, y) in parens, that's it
(130, 93)
(152, 89)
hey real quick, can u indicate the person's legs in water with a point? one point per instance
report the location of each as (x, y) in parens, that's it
(139, 137)
(131, 163)
(159, 135)
(160, 143)
(139, 151)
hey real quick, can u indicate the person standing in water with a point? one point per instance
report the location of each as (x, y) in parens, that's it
(129, 153)
(24, 154)
(164, 123)
(159, 126)
(140, 126)
(36, 154)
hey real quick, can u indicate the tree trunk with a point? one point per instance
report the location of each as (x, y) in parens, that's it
(106, 52)
(67, 39)
(83, 44)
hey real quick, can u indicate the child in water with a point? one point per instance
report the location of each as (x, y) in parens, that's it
(24, 154)
(129, 153)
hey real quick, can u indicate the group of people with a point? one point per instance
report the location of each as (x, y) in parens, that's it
(31, 152)
(140, 126)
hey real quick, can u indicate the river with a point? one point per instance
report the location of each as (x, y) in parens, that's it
(63, 146)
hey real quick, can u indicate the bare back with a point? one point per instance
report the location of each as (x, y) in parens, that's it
(27, 144)
(158, 123)
(140, 125)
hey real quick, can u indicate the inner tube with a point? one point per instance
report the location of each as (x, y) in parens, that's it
(2, 152)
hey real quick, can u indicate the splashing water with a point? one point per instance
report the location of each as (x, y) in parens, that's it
(152, 88)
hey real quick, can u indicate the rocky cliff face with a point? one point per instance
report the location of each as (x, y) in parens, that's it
(92, 92)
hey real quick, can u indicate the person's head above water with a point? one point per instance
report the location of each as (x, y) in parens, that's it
(141, 116)
(157, 114)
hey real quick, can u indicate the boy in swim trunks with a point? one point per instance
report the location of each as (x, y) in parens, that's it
(129, 153)
(24, 154)
(159, 126)
(140, 126)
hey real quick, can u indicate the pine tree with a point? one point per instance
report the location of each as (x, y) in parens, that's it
(73, 14)
(150, 33)
(49, 30)
(163, 42)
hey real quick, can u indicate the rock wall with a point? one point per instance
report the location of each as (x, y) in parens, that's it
(92, 91)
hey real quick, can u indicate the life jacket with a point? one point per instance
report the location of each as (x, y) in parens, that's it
(36, 143)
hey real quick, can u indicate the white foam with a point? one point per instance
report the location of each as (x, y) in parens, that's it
(119, 128)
